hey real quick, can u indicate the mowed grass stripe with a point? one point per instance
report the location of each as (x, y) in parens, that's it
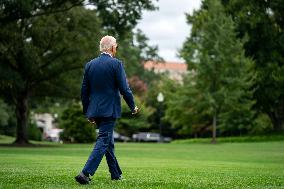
(226, 165)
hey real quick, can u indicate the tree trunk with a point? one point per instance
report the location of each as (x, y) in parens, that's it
(277, 121)
(214, 129)
(22, 112)
(278, 124)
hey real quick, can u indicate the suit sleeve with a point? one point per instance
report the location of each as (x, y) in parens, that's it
(123, 86)
(85, 90)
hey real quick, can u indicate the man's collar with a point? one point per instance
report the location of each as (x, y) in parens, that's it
(107, 53)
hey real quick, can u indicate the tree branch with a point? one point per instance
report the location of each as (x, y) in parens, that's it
(57, 11)
(54, 74)
(9, 63)
(8, 19)
(57, 56)
(53, 59)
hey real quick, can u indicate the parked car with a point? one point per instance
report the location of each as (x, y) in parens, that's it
(120, 138)
(149, 137)
(117, 137)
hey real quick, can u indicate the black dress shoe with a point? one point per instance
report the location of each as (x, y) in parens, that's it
(82, 179)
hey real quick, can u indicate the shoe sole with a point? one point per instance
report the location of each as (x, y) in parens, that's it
(81, 181)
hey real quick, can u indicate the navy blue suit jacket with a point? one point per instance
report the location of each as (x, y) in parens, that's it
(104, 80)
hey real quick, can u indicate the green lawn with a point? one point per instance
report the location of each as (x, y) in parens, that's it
(226, 165)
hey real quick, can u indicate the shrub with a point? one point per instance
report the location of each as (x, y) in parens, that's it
(76, 127)
(34, 132)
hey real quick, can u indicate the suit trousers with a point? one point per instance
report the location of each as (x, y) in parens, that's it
(103, 146)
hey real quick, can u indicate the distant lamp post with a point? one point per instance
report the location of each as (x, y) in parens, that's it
(160, 99)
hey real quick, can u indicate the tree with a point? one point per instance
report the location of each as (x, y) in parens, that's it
(263, 22)
(38, 54)
(222, 71)
(120, 17)
(4, 115)
(186, 109)
(44, 44)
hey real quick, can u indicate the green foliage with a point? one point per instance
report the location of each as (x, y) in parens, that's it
(41, 56)
(187, 109)
(168, 88)
(218, 87)
(262, 22)
(50, 48)
(4, 115)
(7, 120)
(128, 123)
(34, 132)
(120, 17)
(76, 127)
(44, 45)
(262, 124)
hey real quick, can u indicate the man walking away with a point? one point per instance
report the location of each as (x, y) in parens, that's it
(104, 80)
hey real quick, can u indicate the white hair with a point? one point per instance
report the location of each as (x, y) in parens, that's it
(107, 42)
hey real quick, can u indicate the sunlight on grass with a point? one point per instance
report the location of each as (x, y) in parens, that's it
(226, 165)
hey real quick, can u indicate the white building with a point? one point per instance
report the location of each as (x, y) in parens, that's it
(46, 123)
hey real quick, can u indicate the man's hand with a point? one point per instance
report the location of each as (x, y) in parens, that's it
(92, 120)
(136, 110)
